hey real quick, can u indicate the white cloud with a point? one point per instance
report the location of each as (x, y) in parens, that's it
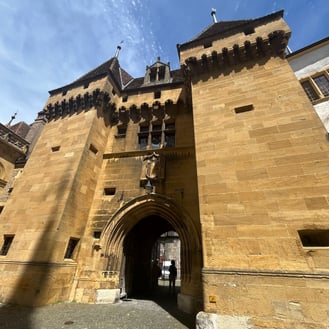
(46, 44)
(53, 43)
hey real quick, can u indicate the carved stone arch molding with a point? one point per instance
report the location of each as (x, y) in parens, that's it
(124, 220)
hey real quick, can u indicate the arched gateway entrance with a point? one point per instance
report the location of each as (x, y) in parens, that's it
(131, 234)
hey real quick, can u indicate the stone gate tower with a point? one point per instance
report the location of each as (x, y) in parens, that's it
(226, 151)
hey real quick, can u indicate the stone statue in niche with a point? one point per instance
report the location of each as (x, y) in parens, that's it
(153, 167)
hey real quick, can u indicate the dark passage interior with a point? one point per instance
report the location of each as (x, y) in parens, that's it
(138, 246)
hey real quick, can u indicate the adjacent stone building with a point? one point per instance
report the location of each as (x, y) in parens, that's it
(310, 65)
(226, 151)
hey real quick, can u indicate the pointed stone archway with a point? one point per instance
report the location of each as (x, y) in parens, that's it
(130, 235)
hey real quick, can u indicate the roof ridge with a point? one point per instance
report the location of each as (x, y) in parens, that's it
(222, 27)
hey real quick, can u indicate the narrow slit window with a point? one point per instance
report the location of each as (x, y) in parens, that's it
(109, 190)
(7, 241)
(71, 246)
(314, 238)
(1, 208)
(242, 109)
(153, 74)
(162, 72)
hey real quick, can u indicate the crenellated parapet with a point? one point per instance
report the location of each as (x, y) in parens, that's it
(144, 112)
(274, 45)
(85, 102)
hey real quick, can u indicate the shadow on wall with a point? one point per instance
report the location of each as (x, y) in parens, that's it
(34, 275)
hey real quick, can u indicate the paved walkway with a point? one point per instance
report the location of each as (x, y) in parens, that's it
(159, 313)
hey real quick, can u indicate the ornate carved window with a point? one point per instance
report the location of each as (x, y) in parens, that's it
(160, 134)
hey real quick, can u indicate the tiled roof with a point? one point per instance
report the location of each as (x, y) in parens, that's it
(21, 129)
(101, 70)
(224, 29)
(110, 67)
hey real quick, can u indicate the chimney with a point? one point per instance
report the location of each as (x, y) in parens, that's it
(213, 14)
(117, 52)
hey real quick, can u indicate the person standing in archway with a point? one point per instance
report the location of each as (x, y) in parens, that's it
(155, 275)
(172, 277)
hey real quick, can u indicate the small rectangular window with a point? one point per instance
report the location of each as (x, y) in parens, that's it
(169, 140)
(249, 30)
(55, 148)
(71, 246)
(156, 127)
(109, 190)
(1, 208)
(157, 94)
(93, 149)
(124, 99)
(144, 129)
(7, 241)
(122, 130)
(97, 234)
(314, 238)
(170, 125)
(309, 90)
(323, 84)
(156, 140)
(207, 44)
(143, 141)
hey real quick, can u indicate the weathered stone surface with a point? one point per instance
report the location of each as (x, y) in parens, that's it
(215, 321)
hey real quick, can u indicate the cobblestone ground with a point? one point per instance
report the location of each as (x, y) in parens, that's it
(161, 312)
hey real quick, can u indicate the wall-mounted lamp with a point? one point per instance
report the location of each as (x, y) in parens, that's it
(148, 186)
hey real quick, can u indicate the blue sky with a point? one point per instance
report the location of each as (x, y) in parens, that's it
(45, 44)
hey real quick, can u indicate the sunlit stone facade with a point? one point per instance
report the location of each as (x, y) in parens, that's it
(226, 151)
